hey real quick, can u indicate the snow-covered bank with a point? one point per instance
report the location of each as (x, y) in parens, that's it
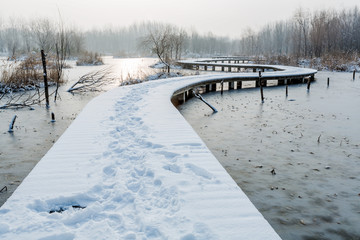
(131, 167)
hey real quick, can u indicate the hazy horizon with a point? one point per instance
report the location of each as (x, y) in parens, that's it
(225, 18)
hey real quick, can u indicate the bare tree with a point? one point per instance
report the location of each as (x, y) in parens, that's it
(159, 41)
(12, 38)
(62, 43)
(317, 32)
(26, 36)
(179, 43)
(302, 20)
(43, 30)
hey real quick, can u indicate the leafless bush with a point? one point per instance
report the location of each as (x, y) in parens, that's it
(89, 59)
(281, 60)
(26, 74)
(336, 62)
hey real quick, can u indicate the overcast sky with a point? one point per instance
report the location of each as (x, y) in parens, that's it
(222, 17)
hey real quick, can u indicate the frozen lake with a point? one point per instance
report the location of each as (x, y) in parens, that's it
(310, 139)
(296, 158)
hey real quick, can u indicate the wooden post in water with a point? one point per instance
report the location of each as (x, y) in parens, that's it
(45, 79)
(222, 86)
(52, 117)
(231, 85)
(11, 126)
(207, 88)
(190, 93)
(328, 82)
(261, 88)
(213, 87)
(287, 91)
(308, 84)
(239, 84)
(354, 74)
(186, 93)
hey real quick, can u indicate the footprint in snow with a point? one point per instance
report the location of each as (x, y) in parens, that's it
(110, 171)
(62, 236)
(199, 171)
(168, 155)
(187, 144)
(173, 168)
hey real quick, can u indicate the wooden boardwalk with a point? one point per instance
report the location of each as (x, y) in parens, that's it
(259, 74)
(131, 167)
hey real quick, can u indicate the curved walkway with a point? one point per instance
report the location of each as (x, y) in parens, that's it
(131, 167)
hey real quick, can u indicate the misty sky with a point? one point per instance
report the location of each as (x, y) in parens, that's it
(222, 17)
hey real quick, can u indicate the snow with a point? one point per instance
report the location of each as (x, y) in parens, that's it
(131, 167)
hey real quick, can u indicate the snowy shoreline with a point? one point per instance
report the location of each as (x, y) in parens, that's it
(131, 167)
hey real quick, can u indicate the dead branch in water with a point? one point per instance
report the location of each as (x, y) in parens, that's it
(93, 81)
(21, 100)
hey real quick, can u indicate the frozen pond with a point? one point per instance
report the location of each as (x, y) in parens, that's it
(297, 158)
(34, 133)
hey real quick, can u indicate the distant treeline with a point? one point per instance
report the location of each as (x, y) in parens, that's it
(305, 35)
(19, 37)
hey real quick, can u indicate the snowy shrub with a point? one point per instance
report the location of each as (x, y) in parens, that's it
(26, 74)
(89, 59)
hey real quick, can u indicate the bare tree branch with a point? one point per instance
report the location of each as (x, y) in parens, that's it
(93, 81)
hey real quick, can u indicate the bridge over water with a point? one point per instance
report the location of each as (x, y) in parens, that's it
(131, 167)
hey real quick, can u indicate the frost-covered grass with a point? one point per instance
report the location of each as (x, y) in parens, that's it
(26, 73)
(160, 65)
(338, 63)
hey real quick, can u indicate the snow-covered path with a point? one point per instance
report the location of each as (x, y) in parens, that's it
(131, 167)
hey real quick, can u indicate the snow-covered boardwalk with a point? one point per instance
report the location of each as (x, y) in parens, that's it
(131, 167)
